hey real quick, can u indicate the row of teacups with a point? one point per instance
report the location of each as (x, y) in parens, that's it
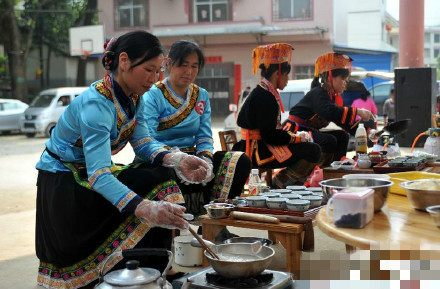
(292, 202)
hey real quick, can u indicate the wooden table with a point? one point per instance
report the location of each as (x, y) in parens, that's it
(397, 227)
(288, 234)
(331, 173)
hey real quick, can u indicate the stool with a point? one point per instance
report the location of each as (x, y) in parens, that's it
(288, 234)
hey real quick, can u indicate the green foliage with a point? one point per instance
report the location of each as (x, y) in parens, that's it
(3, 67)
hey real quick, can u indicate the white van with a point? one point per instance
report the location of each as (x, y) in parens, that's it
(45, 110)
(290, 95)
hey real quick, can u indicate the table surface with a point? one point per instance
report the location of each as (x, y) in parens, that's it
(398, 227)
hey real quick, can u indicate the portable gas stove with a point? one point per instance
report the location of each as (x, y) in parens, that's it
(208, 278)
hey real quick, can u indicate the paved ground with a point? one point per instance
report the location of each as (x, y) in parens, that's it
(18, 263)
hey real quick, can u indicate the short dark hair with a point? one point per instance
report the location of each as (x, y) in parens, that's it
(392, 90)
(181, 49)
(267, 72)
(139, 45)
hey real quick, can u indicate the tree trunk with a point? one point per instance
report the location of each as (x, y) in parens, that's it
(49, 54)
(11, 38)
(81, 72)
(81, 76)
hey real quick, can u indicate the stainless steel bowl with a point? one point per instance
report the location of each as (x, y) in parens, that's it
(419, 198)
(219, 210)
(381, 188)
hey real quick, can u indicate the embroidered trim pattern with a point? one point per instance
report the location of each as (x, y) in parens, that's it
(183, 109)
(225, 175)
(127, 198)
(126, 236)
(99, 172)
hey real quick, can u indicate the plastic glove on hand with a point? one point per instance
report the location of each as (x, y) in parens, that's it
(372, 135)
(161, 214)
(190, 169)
(193, 169)
(304, 135)
(365, 115)
(210, 175)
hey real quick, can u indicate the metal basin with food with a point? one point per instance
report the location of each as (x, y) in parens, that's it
(422, 193)
(381, 188)
(238, 260)
(219, 210)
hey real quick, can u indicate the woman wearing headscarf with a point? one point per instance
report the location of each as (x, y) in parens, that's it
(89, 208)
(178, 113)
(263, 139)
(323, 104)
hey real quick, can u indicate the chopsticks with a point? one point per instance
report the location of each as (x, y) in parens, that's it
(207, 248)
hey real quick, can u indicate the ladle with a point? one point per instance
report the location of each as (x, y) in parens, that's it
(206, 247)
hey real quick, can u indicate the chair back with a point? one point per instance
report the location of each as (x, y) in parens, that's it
(227, 139)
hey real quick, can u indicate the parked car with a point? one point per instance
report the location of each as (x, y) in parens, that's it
(45, 110)
(381, 92)
(11, 111)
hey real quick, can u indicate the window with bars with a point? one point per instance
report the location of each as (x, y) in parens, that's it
(211, 10)
(292, 9)
(131, 13)
(304, 71)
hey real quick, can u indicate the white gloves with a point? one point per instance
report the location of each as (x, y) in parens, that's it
(365, 115)
(161, 214)
(304, 135)
(210, 175)
(372, 135)
(190, 169)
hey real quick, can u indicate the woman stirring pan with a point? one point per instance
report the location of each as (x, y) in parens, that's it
(323, 104)
(88, 207)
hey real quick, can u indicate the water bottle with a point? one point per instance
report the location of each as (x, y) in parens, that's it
(361, 140)
(254, 183)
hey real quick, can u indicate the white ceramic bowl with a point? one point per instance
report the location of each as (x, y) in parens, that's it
(298, 205)
(271, 195)
(276, 203)
(296, 188)
(281, 191)
(303, 193)
(315, 189)
(256, 201)
(291, 196)
(314, 200)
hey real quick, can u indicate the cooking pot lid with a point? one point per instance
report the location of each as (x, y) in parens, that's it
(132, 275)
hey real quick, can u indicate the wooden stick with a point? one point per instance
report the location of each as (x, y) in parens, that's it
(355, 124)
(207, 248)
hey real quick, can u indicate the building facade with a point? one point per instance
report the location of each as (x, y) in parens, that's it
(227, 31)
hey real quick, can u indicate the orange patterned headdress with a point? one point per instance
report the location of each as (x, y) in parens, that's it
(330, 61)
(271, 54)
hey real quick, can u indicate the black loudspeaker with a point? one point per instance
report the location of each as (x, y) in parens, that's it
(415, 99)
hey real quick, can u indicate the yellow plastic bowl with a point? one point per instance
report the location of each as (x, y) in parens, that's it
(401, 177)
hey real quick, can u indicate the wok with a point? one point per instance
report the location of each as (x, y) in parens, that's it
(396, 127)
(239, 260)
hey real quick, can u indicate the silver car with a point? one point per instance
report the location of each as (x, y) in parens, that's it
(11, 111)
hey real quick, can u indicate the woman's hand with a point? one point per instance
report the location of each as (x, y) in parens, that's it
(365, 115)
(304, 135)
(190, 169)
(161, 214)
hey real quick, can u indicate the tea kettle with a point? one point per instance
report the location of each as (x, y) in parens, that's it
(133, 277)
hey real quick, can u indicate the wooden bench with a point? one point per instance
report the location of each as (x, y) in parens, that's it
(288, 234)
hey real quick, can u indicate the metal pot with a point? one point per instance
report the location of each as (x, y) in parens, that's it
(134, 277)
(239, 260)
